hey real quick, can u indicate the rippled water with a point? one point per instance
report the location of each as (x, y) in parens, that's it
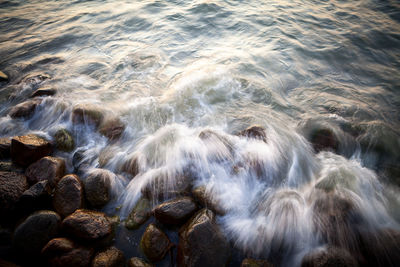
(172, 69)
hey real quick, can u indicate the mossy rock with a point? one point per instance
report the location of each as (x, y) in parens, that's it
(64, 140)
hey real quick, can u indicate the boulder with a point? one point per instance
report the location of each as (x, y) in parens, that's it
(64, 140)
(44, 92)
(5, 147)
(86, 225)
(137, 262)
(12, 186)
(139, 214)
(255, 263)
(37, 197)
(3, 76)
(97, 187)
(34, 233)
(324, 139)
(176, 211)
(155, 243)
(49, 169)
(62, 252)
(110, 257)
(329, 257)
(201, 243)
(87, 114)
(112, 128)
(24, 109)
(206, 201)
(28, 149)
(254, 132)
(68, 195)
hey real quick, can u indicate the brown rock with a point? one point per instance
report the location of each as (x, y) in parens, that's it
(255, 132)
(24, 109)
(201, 242)
(5, 147)
(111, 257)
(9, 166)
(3, 76)
(131, 166)
(62, 252)
(112, 128)
(139, 214)
(97, 187)
(331, 257)
(48, 168)
(37, 197)
(4, 263)
(137, 262)
(68, 195)
(88, 225)
(44, 92)
(89, 114)
(12, 186)
(176, 211)
(206, 200)
(28, 149)
(155, 244)
(255, 263)
(324, 139)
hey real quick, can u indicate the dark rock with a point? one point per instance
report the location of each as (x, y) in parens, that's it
(34, 233)
(324, 139)
(97, 187)
(64, 140)
(255, 263)
(155, 244)
(3, 76)
(28, 149)
(5, 147)
(137, 262)
(139, 214)
(46, 169)
(206, 200)
(8, 166)
(255, 132)
(62, 252)
(5, 243)
(4, 263)
(88, 225)
(87, 114)
(330, 257)
(44, 92)
(111, 257)
(25, 109)
(112, 128)
(176, 211)
(37, 197)
(201, 243)
(68, 195)
(12, 186)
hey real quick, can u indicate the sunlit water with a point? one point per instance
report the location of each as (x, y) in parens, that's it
(172, 69)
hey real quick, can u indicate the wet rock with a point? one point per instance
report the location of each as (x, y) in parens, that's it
(4, 263)
(37, 197)
(5, 243)
(201, 243)
(176, 211)
(255, 132)
(139, 214)
(12, 186)
(112, 128)
(35, 80)
(8, 166)
(5, 147)
(137, 262)
(88, 225)
(62, 252)
(131, 166)
(331, 256)
(25, 109)
(44, 92)
(206, 200)
(28, 149)
(68, 195)
(255, 263)
(64, 140)
(34, 233)
(97, 187)
(324, 139)
(155, 244)
(3, 76)
(88, 114)
(49, 169)
(111, 257)
(220, 148)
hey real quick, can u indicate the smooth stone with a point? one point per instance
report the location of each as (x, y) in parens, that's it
(12, 186)
(46, 169)
(324, 139)
(255, 263)
(24, 109)
(201, 242)
(37, 197)
(155, 243)
(110, 257)
(34, 233)
(139, 214)
(176, 211)
(62, 252)
(330, 257)
(254, 132)
(44, 92)
(138, 262)
(3, 76)
(131, 166)
(112, 128)
(29, 148)
(98, 186)
(68, 195)
(88, 114)
(88, 225)
(206, 201)
(5, 147)
(64, 140)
